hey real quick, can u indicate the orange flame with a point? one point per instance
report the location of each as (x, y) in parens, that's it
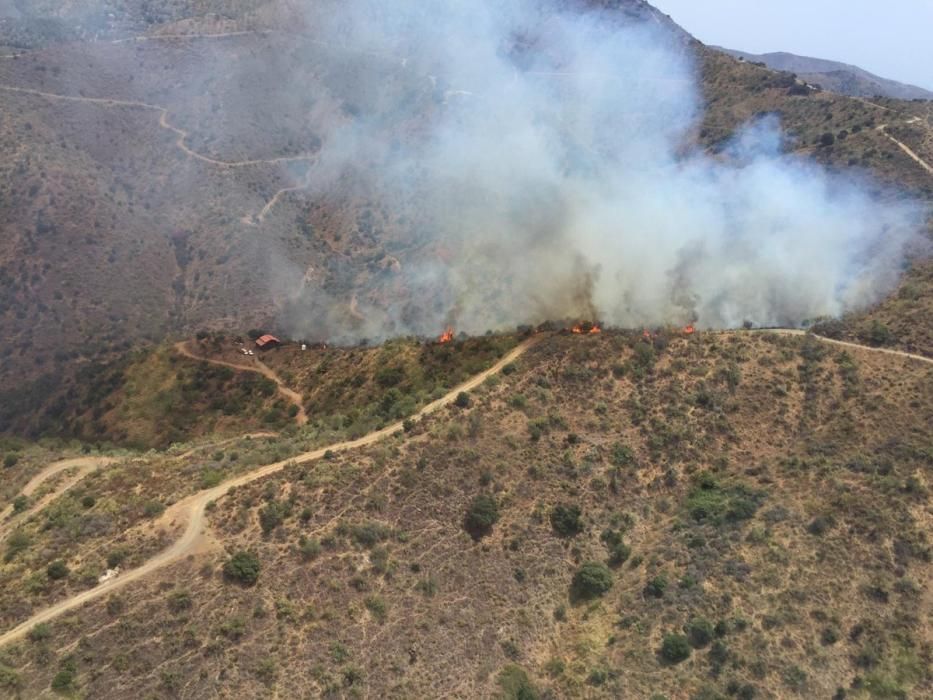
(586, 329)
(646, 334)
(689, 330)
(447, 335)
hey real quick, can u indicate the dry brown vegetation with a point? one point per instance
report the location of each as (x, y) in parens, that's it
(170, 243)
(771, 490)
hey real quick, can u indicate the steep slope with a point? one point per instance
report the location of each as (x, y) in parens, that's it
(834, 76)
(157, 186)
(785, 540)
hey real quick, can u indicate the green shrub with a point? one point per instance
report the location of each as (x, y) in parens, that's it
(88, 501)
(57, 570)
(675, 648)
(462, 400)
(699, 632)
(10, 460)
(10, 680)
(309, 548)
(16, 543)
(270, 516)
(655, 587)
(116, 557)
(39, 632)
(243, 567)
(63, 681)
(482, 514)
(622, 455)
(370, 533)
(179, 601)
(516, 685)
(565, 519)
(20, 503)
(592, 580)
(712, 502)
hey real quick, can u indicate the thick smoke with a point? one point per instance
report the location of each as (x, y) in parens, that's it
(555, 169)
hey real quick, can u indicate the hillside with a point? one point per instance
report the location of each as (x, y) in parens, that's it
(724, 518)
(834, 76)
(199, 218)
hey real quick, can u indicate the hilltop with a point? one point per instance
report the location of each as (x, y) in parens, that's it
(834, 76)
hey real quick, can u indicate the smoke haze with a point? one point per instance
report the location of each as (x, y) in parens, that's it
(553, 177)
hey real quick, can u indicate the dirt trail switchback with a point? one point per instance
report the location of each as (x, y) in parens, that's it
(191, 510)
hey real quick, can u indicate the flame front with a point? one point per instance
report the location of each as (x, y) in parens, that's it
(689, 330)
(447, 335)
(586, 329)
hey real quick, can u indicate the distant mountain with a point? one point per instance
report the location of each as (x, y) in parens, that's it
(834, 76)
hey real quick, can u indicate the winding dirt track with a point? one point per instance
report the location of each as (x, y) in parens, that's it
(290, 395)
(191, 510)
(84, 465)
(164, 123)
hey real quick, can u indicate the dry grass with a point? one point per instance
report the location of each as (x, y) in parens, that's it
(815, 529)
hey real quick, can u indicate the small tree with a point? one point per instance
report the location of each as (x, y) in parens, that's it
(675, 648)
(462, 400)
(565, 519)
(591, 580)
(243, 567)
(482, 514)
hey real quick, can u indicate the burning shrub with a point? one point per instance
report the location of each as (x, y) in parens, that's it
(482, 514)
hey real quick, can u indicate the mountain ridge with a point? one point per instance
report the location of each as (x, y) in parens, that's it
(835, 76)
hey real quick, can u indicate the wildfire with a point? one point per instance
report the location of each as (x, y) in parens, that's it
(689, 330)
(447, 335)
(586, 329)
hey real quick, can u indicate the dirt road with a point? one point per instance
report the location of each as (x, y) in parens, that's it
(164, 123)
(191, 510)
(904, 147)
(290, 395)
(84, 465)
(847, 344)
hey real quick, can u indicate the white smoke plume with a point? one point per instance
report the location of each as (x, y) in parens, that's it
(555, 168)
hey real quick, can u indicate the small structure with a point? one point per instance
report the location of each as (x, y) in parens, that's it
(264, 342)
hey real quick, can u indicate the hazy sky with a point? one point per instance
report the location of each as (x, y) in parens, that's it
(893, 38)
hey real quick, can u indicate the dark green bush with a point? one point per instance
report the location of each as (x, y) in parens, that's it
(699, 632)
(57, 570)
(655, 587)
(591, 580)
(243, 567)
(10, 460)
(675, 648)
(462, 400)
(565, 519)
(482, 514)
